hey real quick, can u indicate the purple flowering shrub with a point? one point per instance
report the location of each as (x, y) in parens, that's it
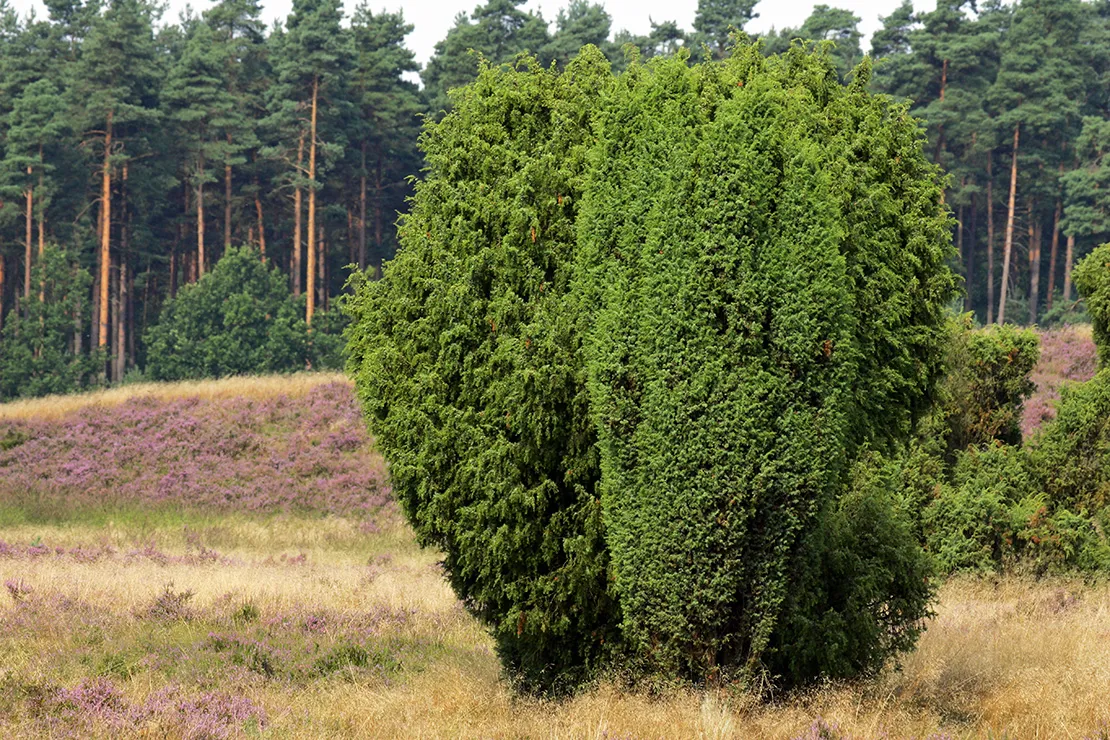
(270, 455)
(1068, 354)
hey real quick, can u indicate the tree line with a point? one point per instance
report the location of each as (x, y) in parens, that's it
(135, 152)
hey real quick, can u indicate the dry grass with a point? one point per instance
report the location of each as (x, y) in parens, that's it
(1002, 658)
(250, 386)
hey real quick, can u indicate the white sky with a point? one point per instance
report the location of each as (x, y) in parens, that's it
(432, 18)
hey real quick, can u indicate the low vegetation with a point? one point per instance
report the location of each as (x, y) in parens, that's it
(122, 614)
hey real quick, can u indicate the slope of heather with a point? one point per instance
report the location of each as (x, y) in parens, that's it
(269, 451)
(1067, 355)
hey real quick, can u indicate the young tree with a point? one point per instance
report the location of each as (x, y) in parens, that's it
(387, 128)
(308, 70)
(114, 89)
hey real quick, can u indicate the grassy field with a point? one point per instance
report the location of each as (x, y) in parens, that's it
(294, 602)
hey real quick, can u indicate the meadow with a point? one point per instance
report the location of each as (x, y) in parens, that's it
(224, 559)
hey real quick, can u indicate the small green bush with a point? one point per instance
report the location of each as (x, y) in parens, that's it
(1092, 279)
(864, 586)
(969, 526)
(240, 318)
(1072, 453)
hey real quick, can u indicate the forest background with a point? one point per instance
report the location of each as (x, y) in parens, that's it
(135, 153)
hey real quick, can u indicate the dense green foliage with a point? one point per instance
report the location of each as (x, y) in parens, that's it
(238, 319)
(468, 363)
(36, 356)
(1092, 278)
(648, 330)
(987, 383)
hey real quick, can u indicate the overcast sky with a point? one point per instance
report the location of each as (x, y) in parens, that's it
(432, 18)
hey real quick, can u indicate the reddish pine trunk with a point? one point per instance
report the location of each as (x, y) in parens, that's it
(310, 306)
(297, 221)
(1007, 247)
(990, 241)
(1034, 262)
(258, 213)
(362, 213)
(1054, 253)
(105, 234)
(200, 218)
(1069, 255)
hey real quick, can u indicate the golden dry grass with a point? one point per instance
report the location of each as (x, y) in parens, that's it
(1002, 658)
(247, 386)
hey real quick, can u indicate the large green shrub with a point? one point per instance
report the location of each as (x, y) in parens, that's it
(239, 318)
(756, 326)
(637, 330)
(467, 360)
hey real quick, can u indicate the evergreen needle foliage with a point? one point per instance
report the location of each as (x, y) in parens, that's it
(638, 332)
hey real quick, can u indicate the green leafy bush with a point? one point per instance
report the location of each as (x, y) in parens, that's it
(36, 355)
(637, 331)
(468, 364)
(969, 525)
(988, 382)
(239, 318)
(1092, 279)
(1072, 453)
(864, 586)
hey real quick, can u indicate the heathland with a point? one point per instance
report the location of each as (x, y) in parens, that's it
(224, 559)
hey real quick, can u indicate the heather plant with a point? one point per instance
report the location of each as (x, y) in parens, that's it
(637, 332)
(260, 456)
(239, 318)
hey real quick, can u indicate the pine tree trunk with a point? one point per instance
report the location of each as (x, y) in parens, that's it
(940, 128)
(77, 328)
(113, 289)
(379, 249)
(227, 201)
(29, 223)
(972, 232)
(1069, 255)
(362, 213)
(42, 233)
(297, 221)
(105, 235)
(1053, 254)
(1034, 262)
(1007, 247)
(258, 213)
(3, 289)
(121, 320)
(990, 240)
(310, 306)
(125, 278)
(200, 218)
(963, 255)
(173, 266)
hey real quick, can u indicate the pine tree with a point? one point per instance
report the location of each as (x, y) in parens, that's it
(312, 56)
(388, 106)
(498, 30)
(115, 90)
(716, 19)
